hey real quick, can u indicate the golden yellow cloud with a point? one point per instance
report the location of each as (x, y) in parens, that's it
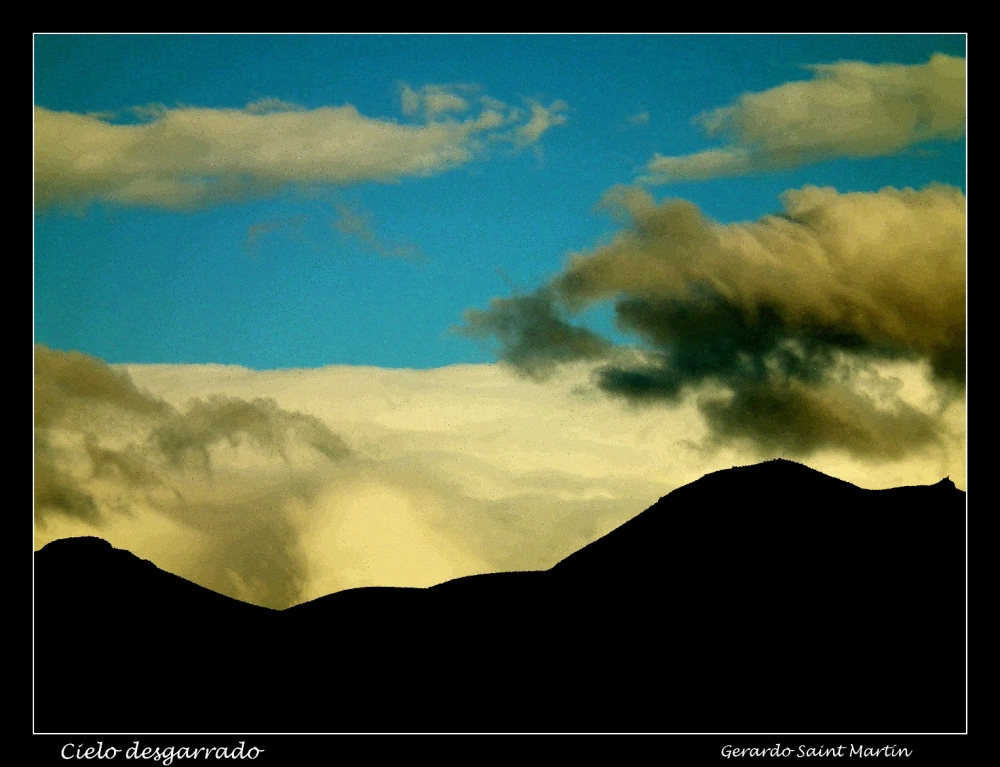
(238, 480)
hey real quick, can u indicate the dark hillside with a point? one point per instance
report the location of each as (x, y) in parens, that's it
(767, 598)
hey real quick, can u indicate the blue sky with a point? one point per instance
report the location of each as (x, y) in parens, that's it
(375, 271)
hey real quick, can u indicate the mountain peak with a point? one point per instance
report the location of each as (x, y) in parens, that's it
(748, 580)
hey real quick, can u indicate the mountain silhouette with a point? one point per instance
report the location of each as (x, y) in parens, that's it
(760, 599)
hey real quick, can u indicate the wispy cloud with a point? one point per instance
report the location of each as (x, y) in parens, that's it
(849, 109)
(432, 101)
(357, 224)
(256, 232)
(190, 157)
(542, 119)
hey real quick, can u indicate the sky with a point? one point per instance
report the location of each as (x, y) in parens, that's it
(316, 311)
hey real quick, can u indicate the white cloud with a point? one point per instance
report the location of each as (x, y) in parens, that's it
(434, 100)
(190, 157)
(542, 118)
(712, 163)
(850, 109)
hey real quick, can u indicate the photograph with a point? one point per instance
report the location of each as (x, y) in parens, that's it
(498, 383)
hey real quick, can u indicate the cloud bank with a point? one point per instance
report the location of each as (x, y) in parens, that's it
(849, 109)
(779, 326)
(190, 157)
(281, 486)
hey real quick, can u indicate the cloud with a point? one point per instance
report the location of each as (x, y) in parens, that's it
(712, 163)
(105, 449)
(486, 466)
(257, 231)
(66, 380)
(186, 440)
(351, 221)
(358, 224)
(434, 100)
(886, 266)
(71, 388)
(453, 471)
(638, 119)
(849, 109)
(770, 324)
(534, 335)
(542, 118)
(188, 157)
(801, 417)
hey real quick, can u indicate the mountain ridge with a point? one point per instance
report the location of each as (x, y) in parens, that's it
(764, 598)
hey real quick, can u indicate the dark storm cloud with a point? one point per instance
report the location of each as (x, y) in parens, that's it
(798, 419)
(771, 312)
(780, 379)
(533, 334)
